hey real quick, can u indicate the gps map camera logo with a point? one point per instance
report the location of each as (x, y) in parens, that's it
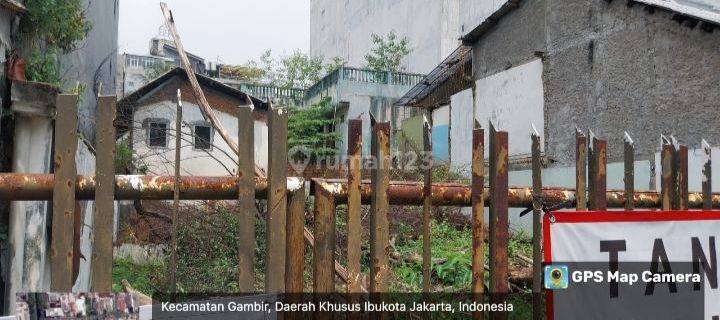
(556, 277)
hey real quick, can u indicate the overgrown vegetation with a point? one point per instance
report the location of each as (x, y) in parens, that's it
(387, 52)
(310, 131)
(51, 28)
(296, 70)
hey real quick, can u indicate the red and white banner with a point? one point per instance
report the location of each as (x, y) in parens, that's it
(640, 237)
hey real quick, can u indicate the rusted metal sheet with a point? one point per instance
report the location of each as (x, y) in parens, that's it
(295, 256)
(246, 200)
(629, 177)
(537, 225)
(324, 250)
(277, 200)
(499, 232)
(478, 215)
(379, 225)
(682, 177)
(354, 203)
(581, 170)
(63, 194)
(104, 196)
(667, 189)
(427, 201)
(598, 174)
(707, 175)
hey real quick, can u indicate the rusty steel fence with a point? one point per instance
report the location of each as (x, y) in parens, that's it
(286, 197)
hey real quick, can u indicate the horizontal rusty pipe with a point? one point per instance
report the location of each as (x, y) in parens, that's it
(452, 194)
(17, 186)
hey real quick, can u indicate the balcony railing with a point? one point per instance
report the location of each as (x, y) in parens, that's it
(364, 75)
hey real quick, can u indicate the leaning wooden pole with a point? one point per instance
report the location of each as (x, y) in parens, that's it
(205, 107)
(478, 216)
(537, 225)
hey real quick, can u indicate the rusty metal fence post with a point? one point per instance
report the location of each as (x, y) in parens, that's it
(379, 224)
(499, 232)
(598, 172)
(102, 259)
(246, 200)
(580, 170)
(427, 201)
(667, 190)
(478, 215)
(354, 207)
(629, 170)
(277, 200)
(537, 224)
(707, 175)
(324, 251)
(295, 255)
(61, 246)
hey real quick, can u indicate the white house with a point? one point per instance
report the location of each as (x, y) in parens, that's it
(147, 119)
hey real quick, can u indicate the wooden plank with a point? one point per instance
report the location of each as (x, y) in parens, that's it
(427, 201)
(277, 200)
(324, 250)
(629, 168)
(103, 219)
(478, 216)
(176, 195)
(707, 175)
(205, 107)
(61, 247)
(580, 170)
(682, 177)
(379, 225)
(295, 255)
(537, 225)
(666, 179)
(246, 200)
(354, 205)
(499, 229)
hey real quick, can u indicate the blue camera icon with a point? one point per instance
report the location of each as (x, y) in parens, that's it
(556, 277)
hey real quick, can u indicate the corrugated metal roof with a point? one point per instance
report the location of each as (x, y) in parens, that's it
(454, 67)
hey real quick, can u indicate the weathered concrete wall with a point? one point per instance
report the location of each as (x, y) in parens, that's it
(511, 99)
(160, 161)
(613, 68)
(609, 67)
(343, 29)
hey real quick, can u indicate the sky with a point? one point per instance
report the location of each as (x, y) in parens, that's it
(225, 31)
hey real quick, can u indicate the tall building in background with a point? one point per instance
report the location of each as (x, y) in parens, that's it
(344, 28)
